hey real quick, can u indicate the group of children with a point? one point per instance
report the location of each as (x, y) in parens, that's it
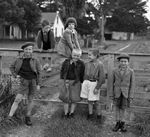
(83, 80)
(91, 81)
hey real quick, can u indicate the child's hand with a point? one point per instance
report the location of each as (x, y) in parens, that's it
(95, 91)
(38, 87)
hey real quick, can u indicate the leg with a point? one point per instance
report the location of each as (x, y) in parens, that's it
(66, 110)
(98, 108)
(90, 107)
(14, 106)
(73, 106)
(117, 115)
(122, 118)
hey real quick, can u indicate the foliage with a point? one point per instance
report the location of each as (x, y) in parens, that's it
(128, 16)
(32, 15)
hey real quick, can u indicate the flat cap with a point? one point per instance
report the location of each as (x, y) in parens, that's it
(123, 55)
(26, 44)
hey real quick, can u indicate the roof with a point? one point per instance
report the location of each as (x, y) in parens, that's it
(50, 16)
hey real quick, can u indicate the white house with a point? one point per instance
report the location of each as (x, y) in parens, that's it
(55, 22)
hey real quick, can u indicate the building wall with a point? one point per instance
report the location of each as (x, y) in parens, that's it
(15, 32)
(58, 27)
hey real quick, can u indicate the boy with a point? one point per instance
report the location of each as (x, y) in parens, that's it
(94, 77)
(28, 69)
(122, 90)
(46, 41)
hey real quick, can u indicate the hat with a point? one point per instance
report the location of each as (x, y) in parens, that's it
(71, 20)
(123, 55)
(45, 23)
(26, 44)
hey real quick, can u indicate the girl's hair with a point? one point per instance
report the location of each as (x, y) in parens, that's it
(45, 23)
(70, 20)
(95, 52)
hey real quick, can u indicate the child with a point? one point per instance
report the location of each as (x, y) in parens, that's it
(28, 69)
(122, 92)
(45, 40)
(94, 77)
(72, 72)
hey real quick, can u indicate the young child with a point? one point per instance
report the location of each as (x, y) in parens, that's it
(28, 69)
(72, 73)
(123, 89)
(94, 77)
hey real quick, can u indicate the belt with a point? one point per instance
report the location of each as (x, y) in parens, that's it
(92, 80)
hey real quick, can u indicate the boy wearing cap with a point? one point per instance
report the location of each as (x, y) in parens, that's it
(28, 69)
(122, 90)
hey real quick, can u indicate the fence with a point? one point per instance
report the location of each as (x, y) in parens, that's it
(139, 62)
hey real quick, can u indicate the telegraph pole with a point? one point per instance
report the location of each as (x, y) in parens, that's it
(102, 23)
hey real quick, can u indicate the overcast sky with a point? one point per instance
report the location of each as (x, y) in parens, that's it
(148, 9)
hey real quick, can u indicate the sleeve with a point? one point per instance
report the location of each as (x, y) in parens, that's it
(39, 40)
(111, 84)
(82, 72)
(12, 68)
(76, 40)
(67, 36)
(38, 67)
(63, 69)
(101, 79)
(132, 85)
(52, 38)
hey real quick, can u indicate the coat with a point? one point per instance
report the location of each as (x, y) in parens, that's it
(124, 84)
(67, 43)
(35, 66)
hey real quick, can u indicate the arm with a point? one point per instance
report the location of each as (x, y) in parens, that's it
(76, 40)
(132, 85)
(101, 79)
(12, 68)
(67, 36)
(39, 40)
(52, 38)
(38, 67)
(63, 70)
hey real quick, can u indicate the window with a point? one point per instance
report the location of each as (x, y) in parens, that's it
(55, 32)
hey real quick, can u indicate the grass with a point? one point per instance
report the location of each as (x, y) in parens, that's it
(76, 127)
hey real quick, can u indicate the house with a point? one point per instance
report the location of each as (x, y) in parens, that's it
(10, 31)
(55, 21)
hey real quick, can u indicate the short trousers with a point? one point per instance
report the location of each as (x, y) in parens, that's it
(87, 91)
(27, 87)
(121, 102)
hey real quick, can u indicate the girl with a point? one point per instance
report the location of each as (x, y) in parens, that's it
(94, 77)
(72, 72)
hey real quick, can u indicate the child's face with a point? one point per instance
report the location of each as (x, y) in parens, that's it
(75, 56)
(123, 62)
(91, 56)
(28, 50)
(71, 25)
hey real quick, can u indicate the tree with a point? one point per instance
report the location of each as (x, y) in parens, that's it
(32, 15)
(10, 12)
(129, 17)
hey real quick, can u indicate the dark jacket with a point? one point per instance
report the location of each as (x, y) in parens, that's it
(35, 66)
(49, 44)
(78, 69)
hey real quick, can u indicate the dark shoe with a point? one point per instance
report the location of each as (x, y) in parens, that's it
(65, 116)
(28, 121)
(123, 127)
(71, 115)
(117, 127)
(90, 117)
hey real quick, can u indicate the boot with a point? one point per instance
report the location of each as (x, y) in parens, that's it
(90, 117)
(123, 127)
(117, 127)
(28, 121)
